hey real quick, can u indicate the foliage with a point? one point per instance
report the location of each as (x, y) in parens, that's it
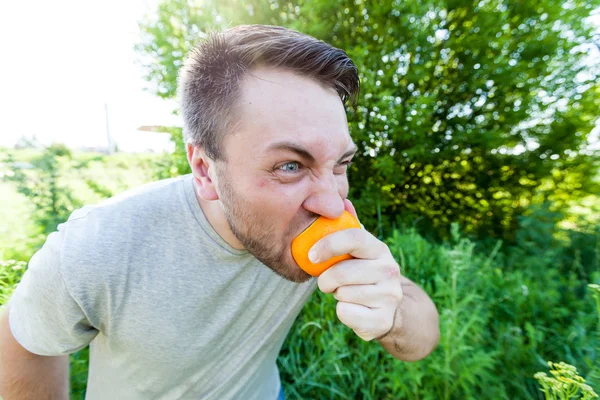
(322, 358)
(593, 377)
(504, 308)
(11, 272)
(44, 186)
(501, 314)
(541, 311)
(565, 383)
(174, 164)
(78, 371)
(470, 111)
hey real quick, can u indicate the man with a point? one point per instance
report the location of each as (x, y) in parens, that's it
(186, 288)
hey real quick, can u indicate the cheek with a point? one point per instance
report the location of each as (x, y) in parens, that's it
(289, 194)
(279, 197)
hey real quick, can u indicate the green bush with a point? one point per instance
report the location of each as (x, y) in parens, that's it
(44, 185)
(564, 383)
(11, 272)
(469, 111)
(505, 309)
(499, 324)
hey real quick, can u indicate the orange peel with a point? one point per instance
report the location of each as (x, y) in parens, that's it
(320, 228)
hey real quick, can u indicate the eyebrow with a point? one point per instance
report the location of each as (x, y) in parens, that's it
(302, 152)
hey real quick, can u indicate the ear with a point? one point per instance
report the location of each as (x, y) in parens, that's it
(203, 171)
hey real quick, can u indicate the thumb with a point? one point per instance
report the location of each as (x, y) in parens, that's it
(348, 206)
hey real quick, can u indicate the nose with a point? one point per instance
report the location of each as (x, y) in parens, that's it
(326, 198)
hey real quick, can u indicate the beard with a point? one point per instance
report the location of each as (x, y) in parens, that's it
(258, 236)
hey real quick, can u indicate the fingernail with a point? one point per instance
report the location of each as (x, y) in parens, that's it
(312, 256)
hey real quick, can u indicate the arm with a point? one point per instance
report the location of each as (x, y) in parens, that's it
(374, 299)
(415, 333)
(28, 376)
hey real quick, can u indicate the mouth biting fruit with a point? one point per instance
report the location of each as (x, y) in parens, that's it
(320, 228)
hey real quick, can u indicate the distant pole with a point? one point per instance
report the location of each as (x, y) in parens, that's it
(108, 139)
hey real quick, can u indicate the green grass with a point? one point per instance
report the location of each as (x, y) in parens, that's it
(503, 311)
(18, 234)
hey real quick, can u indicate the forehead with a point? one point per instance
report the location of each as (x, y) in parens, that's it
(277, 105)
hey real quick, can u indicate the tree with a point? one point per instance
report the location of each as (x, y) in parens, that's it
(469, 112)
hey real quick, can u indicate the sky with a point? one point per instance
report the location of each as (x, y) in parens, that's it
(62, 61)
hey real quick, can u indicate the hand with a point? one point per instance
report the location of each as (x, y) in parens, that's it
(367, 287)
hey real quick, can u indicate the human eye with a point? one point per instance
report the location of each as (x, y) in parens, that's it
(345, 166)
(294, 167)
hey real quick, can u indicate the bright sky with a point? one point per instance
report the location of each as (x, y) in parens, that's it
(62, 60)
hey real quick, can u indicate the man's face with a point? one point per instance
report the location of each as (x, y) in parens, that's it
(269, 192)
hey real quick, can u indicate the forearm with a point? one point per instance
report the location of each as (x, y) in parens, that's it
(28, 376)
(416, 331)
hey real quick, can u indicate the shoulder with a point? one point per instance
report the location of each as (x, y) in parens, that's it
(99, 242)
(126, 213)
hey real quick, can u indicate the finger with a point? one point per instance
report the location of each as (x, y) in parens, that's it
(371, 296)
(358, 272)
(358, 243)
(348, 206)
(365, 322)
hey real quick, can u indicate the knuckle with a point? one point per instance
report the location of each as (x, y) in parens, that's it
(386, 249)
(355, 236)
(323, 284)
(339, 274)
(392, 271)
(322, 251)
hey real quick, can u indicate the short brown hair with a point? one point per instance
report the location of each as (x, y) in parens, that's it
(209, 81)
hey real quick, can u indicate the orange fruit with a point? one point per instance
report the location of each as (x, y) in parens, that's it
(320, 228)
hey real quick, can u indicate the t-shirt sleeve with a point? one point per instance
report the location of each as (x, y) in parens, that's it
(43, 315)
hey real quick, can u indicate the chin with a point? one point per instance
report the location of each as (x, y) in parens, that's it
(297, 279)
(290, 271)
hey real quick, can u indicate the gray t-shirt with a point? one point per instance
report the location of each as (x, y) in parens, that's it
(170, 310)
